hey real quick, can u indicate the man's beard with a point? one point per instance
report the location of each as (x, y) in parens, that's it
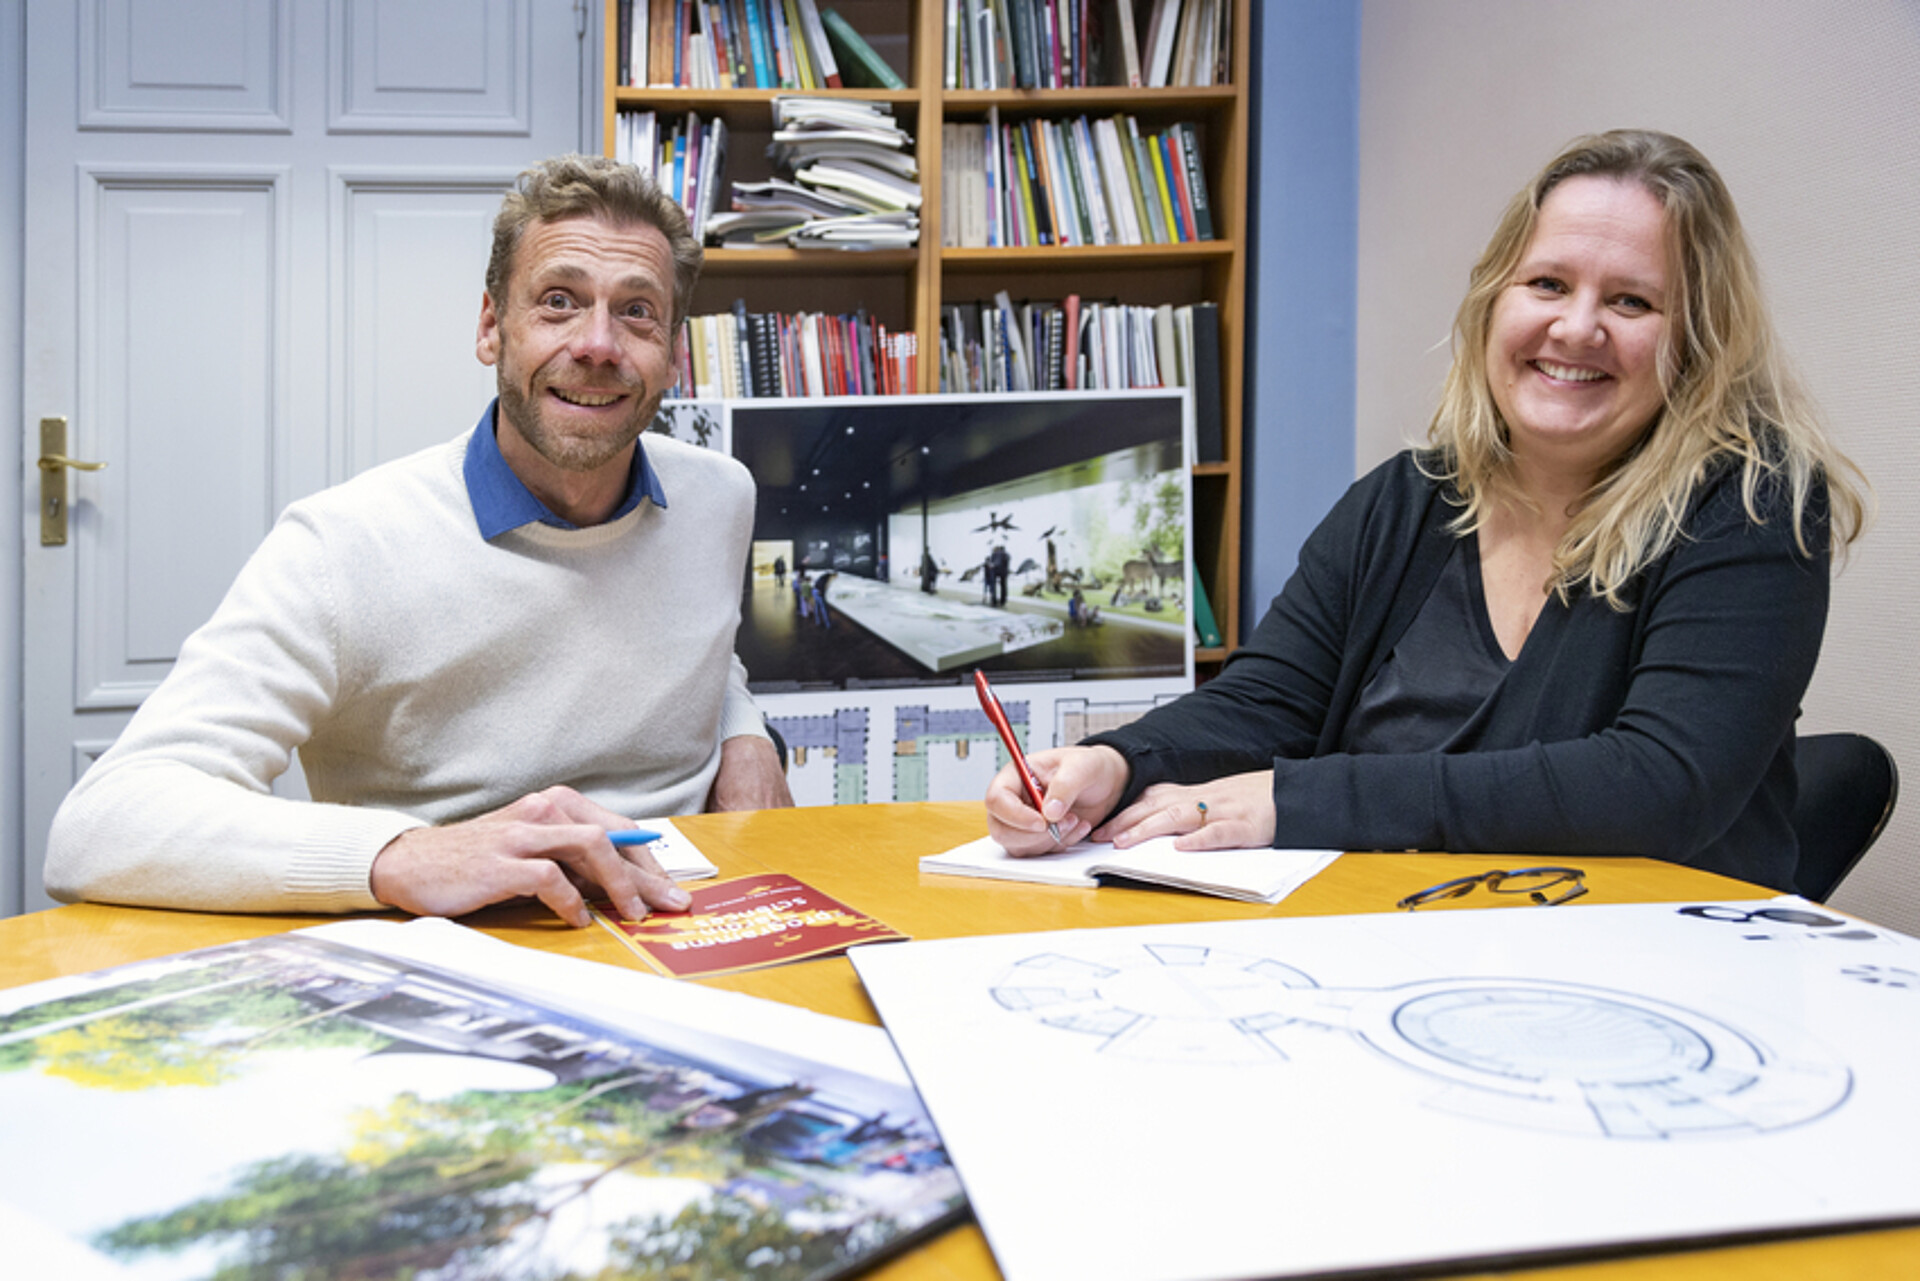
(575, 453)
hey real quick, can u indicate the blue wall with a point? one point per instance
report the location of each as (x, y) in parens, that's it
(1302, 278)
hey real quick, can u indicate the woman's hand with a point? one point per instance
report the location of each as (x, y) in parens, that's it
(1226, 814)
(1078, 784)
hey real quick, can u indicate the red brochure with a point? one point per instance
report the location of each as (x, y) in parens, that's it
(744, 924)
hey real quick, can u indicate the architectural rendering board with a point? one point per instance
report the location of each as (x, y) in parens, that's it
(901, 542)
(1287, 1097)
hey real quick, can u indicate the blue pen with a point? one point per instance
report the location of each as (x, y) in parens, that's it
(632, 836)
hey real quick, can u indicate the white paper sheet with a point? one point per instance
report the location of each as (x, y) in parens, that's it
(678, 857)
(1251, 875)
(1278, 1097)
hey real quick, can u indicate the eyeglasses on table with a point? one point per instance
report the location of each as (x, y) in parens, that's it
(1546, 886)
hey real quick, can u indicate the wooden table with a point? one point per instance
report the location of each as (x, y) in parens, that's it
(867, 856)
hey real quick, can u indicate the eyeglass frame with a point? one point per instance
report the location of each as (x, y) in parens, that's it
(1462, 885)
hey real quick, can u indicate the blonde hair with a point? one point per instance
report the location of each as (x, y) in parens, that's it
(576, 186)
(1728, 397)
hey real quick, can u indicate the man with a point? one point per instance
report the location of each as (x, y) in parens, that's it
(443, 637)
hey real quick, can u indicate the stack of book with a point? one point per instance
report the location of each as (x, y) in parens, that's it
(687, 156)
(739, 354)
(744, 44)
(1003, 346)
(851, 181)
(1082, 181)
(1064, 44)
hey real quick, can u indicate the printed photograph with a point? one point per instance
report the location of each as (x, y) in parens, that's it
(906, 541)
(292, 1107)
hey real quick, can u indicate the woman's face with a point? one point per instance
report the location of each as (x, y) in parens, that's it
(1574, 345)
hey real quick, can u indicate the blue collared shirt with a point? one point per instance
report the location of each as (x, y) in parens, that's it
(502, 501)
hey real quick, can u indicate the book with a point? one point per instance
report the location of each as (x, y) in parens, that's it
(1196, 179)
(1127, 65)
(1205, 628)
(1245, 875)
(379, 1098)
(760, 45)
(745, 923)
(1209, 432)
(1157, 55)
(860, 67)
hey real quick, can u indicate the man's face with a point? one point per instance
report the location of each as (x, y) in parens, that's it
(583, 343)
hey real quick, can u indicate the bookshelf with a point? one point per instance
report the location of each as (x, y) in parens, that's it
(906, 289)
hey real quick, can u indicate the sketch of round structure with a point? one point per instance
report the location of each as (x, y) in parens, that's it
(1535, 1053)
(1168, 1002)
(1591, 1060)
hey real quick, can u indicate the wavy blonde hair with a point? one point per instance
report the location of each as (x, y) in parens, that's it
(1728, 397)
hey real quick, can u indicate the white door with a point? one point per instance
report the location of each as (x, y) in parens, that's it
(255, 238)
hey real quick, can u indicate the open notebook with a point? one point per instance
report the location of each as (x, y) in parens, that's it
(1251, 876)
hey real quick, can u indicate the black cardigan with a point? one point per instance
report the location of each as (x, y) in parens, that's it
(1665, 731)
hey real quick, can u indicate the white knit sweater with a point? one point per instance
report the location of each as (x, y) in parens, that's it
(424, 676)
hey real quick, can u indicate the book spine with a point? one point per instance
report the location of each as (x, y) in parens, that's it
(818, 49)
(1177, 179)
(757, 43)
(797, 42)
(1196, 181)
(1129, 43)
(1093, 191)
(780, 38)
(1162, 190)
(722, 46)
(1209, 418)
(623, 43)
(1205, 629)
(1026, 65)
(996, 181)
(1140, 161)
(859, 63)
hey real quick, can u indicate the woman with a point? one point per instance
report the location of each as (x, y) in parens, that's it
(1579, 622)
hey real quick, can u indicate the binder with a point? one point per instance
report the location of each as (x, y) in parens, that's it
(860, 66)
(1208, 411)
(1205, 629)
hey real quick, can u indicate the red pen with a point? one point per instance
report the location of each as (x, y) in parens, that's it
(990, 704)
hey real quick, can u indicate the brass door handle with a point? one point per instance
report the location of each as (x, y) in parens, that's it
(54, 465)
(54, 462)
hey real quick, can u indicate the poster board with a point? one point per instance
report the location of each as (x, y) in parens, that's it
(373, 1097)
(1298, 1096)
(906, 505)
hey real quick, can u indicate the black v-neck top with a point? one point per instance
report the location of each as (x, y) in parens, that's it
(1442, 672)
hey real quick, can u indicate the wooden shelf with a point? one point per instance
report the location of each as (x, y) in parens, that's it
(908, 287)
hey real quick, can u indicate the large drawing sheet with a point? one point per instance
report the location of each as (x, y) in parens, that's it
(374, 1098)
(1285, 1097)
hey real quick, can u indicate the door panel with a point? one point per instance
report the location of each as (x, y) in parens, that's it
(182, 330)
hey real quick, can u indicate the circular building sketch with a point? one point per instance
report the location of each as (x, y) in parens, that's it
(1534, 1053)
(1565, 1057)
(1172, 1002)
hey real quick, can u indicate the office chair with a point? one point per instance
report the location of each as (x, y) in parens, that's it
(779, 741)
(1848, 786)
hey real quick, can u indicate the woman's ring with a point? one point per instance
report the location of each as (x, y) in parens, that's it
(1202, 807)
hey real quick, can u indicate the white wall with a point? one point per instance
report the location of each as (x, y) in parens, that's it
(1812, 114)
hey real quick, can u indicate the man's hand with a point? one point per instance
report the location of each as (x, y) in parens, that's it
(551, 845)
(1080, 785)
(750, 777)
